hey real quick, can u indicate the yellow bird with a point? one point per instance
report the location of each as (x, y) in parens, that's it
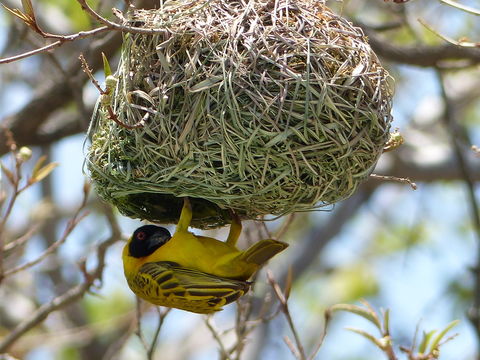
(189, 272)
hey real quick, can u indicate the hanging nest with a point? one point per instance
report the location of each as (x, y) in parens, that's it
(264, 107)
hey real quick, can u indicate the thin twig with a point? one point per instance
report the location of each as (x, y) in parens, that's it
(319, 343)
(117, 345)
(22, 239)
(285, 226)
(396, 179)
(138, 331)
(62, 39)
(65, 39)
(462, 7)
(223, 350)
(107, 93)
(244, 326)
(77, 217)
(161, 318)
(292, 347)
(462, 43)
(14, 178)
(286, 311)
(112, 116)
(72, 224)
(70, 296)
(86, 69)
(118, 27)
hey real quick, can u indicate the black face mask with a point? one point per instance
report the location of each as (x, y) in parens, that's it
(146, 239)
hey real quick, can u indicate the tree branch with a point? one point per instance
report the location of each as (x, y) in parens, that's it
(419, 55)
(58, 43)
(26, 124)
(456, 133)
(69, 297)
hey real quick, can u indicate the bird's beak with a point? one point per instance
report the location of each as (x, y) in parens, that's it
(156, 240)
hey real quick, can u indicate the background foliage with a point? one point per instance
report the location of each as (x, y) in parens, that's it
(62, 291)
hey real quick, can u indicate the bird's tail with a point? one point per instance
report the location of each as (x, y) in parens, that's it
(263, 251)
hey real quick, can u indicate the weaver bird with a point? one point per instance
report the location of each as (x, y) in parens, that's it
(189, 272)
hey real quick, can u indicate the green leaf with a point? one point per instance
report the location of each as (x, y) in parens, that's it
(42, 173)
(380, 344)
(365, 313)
(425, 341)
(439, 337)
(288, 283)
(106, 66)
(8, 174)
(28, 8)
(39, 164)
(386, 322)
(281, 137)
(206, 84)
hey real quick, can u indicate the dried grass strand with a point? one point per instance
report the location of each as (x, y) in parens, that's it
(259, 106)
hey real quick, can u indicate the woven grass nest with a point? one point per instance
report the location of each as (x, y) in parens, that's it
(264, 107)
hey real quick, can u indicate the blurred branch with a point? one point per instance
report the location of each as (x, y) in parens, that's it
(462, 42)
(28, 16)
(446, 170)
(13, 176)
(395, 179)
(457, 133)
(314, 242)
(462, 7)
(19, 184)
(244, 325)
(58, 43)
(70, 296)
(26, 124)
(162, 314)
(224, 353)
(297, 350)
(62, 125)
(138, 315)
(84, 334)
(244, 312)
(114, 348)
(321, 234)
(72, 224)
(117, 27)
(20, 241)
(134, 328)
(418, 55)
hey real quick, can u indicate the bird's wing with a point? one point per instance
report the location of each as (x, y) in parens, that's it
(169, 284)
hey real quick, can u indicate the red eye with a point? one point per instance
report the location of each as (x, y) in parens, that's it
(141, 235)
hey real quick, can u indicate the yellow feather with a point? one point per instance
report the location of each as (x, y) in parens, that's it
(196, 273)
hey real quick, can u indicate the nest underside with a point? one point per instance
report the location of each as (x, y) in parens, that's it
(260, 109)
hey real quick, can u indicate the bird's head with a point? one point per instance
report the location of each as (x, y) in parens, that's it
(146, 239)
